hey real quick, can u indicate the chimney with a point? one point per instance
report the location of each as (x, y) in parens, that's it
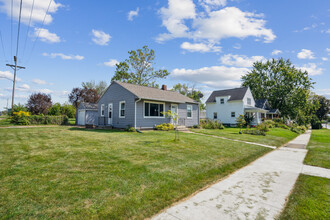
(164, 87)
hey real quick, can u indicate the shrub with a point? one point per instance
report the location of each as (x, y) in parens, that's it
(20, 118)
(269, 123)
(47, 120)
(316, 123)
(298, 129)
(68, 110)
(130, 129)
(279, 125)
(264, 127)
(164, 127)
(211, 124)
(55, 109)
(248, 119)
(196, 126)
(279, 120)
(255, 132)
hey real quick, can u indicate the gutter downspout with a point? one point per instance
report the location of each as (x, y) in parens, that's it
(135, 112)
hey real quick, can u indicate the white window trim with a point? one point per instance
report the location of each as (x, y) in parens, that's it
(231, 114)
(191, 111)
(223, 101)
(247, 100)
(102, 106)
(217, 116)
(121, 109)
(144, 116)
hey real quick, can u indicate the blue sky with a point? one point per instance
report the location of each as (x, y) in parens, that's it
(208, 44)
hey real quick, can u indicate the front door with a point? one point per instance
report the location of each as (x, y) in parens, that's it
(110, 114)
(174, 109)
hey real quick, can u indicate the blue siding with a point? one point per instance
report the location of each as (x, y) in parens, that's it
(91, 117)
(114, 94)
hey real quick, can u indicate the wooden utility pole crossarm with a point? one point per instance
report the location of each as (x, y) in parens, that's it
(14, 67)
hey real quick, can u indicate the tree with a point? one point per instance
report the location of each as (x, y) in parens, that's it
(139, 68)
(100, 87)
(240, 122)
(79, 95)
(175, 117)
(39, 103)
(55, 109)
(68, 110)
(285, 87)
(190, 92)
(324, 107)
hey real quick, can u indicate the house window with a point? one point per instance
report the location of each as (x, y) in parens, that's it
(102, 110)
(122, 107)
(189, 111)
(233, 114)
(222, 101)
(152, 109)
(249, 101)
(215, 115)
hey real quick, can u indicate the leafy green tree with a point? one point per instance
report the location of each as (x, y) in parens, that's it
(190, 92)
(240, 122)
(175, 117)
(99, 87)
(55, 109)
(68, 110)
(139, 68)
(324, 107)
(20, 107)
(286, 87)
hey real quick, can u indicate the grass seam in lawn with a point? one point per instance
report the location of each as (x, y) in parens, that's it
(246, 142)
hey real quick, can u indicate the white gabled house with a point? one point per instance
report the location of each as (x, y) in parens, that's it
(227, 105)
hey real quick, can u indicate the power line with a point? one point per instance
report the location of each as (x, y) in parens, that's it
(11, 29)
(42, 25)
(19, 27)
(27, 33)
(3, 48)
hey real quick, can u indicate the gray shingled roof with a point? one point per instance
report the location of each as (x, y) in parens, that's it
(235, 94)
(260, 103)
(87, 105)
(150, 93)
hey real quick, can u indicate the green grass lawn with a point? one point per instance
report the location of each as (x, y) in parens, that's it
(275, 137)
(5, 121)
(319, 149)
(309, 200)
(62, 172)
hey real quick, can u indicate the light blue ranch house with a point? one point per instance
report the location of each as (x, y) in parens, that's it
(128, 105)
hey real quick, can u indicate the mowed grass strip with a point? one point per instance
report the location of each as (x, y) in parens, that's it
(319, 149)
(309, 200)
(275, 137)
(75, 173)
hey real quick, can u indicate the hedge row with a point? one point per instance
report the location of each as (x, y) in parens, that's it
(26, 119)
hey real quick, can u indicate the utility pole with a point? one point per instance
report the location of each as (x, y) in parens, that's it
(14, 67)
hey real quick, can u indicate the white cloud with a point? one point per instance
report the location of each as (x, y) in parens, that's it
(214, 76)
(240, 60)
(132, 14)
(324, 92)
(237, 46)
(328, 50)
(63, 56)
(100, 37)
(24, 87)
(312, 69)
(214, 26)
(40, 82)
(212, 4)
(46, 36)
(8, 75)
(276, 52)
(39, 10)
(305, 54)
(200, 47)
(46, 91)
(324, 58)
(111, 62)
(173, 18)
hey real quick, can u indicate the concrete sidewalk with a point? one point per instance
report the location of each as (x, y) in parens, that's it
(258, 190)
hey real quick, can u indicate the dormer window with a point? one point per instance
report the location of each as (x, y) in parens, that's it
(222, 101)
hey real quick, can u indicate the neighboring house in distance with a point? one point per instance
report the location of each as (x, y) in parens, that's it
(128, 105)
(227, 105)
(264, 104)
(86, 114)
